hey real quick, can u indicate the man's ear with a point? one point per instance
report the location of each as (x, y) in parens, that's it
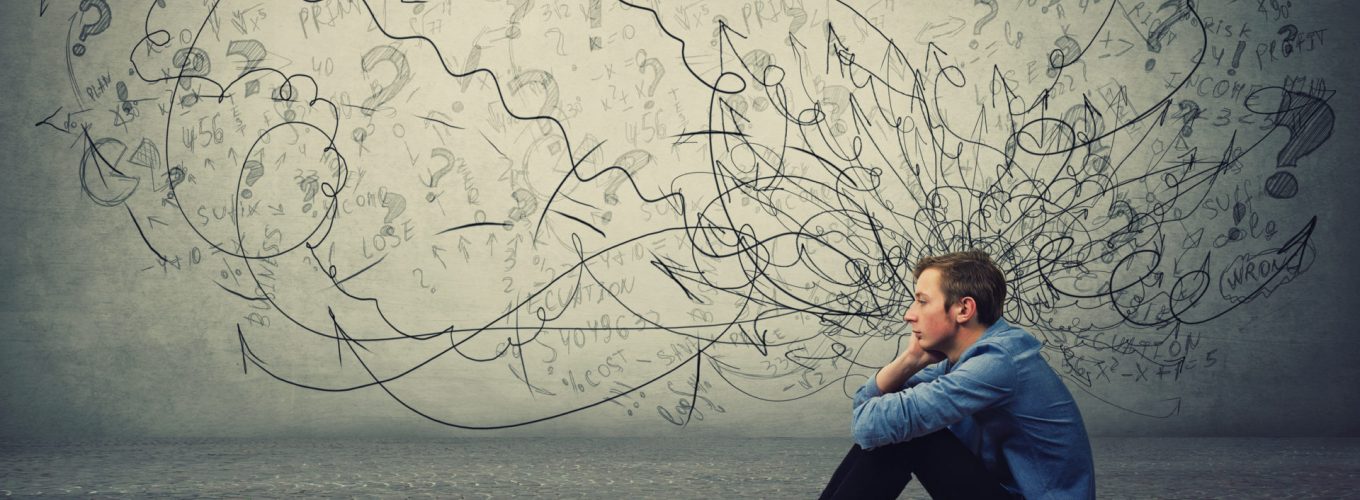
(965, 310)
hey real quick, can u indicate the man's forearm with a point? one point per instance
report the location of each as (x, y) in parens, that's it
(891, 377)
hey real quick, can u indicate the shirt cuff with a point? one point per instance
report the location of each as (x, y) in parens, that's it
(871, 387)
(866, 392)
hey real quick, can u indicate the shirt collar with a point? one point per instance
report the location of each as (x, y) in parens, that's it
(996, 328)
(1000, 325)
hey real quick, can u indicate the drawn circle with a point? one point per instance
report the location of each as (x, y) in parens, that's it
(1151, 63)
(1046, 136)
(757, 61)
(289, 169)
(1068, 51)
(1273, 101)
(78, 49)
(730, 83)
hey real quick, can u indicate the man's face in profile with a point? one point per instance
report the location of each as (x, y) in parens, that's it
(930, 320)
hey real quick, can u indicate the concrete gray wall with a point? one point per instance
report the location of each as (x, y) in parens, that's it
(196, 246)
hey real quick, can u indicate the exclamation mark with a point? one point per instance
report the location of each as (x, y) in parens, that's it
(1237, 58)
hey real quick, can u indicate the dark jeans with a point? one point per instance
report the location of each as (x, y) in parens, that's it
(945, 467)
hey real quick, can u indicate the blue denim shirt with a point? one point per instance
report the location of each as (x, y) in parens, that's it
(1004, 402)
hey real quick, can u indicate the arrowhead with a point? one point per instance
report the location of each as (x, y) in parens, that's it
(762, 346)
(1297, 246)
(1091, 111)
(245, 350)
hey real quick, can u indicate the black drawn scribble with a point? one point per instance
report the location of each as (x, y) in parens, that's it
(609, 226)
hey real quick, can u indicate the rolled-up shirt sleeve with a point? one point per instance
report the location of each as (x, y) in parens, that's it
(870, 388)
(933, 401)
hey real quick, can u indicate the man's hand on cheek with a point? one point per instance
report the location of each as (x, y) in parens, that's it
(917, 357)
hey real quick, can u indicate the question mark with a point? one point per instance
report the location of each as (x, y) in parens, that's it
(254, 171)
(525, 204)
(1155, 35)
(383, 94)
(1307, 117)
(1287, 45)
(433, 183)
(550, 92)
(657, 68)
(1310, 121)
(89, 30)
(176, 176)
(1190, 111)
(394, 203)
(129, 107)
(991, 14)
(191, 61)
(252, 51)
(631, 162)
(448, 158)
(512, 32)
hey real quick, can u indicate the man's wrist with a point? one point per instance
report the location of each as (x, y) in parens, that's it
(892, 376)
(909, 367)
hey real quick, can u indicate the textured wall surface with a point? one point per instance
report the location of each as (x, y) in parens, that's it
(391, 219)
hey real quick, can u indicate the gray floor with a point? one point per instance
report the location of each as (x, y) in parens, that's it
(627, 468)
